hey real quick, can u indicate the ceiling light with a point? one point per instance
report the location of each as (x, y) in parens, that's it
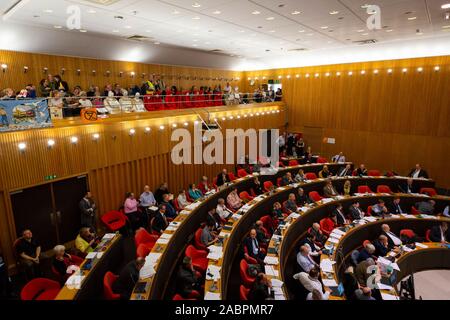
(196, 122)
(127, 27)
(115, 31)
(420, 69)
(132, 132)
(279, 77)
(148, 129)
(338, 73)
(50, 143)
(238, 117)
(327, 74)
(270, 18)
(22, 146)
(175, 12)
(365, 34)
(57, 27)
(196, 5)
(297, 76)
(307, 75)
(437, 68)
(186, 124)
(412, 18)
(156, 42)
(389, 30)
(195, 18)
(174, 125)
(334, 12)
(350, 73)
(257, 114)
(256, 12)
(223, 118)
(96, 136)
(161, 127)
(217, 12)
(363, 71)
(272, 31)
(295, 12)
(92, 11)
(231, 118)
(83, 30)
(324, 27)
(389, 71)
(445, 6)
(316, 75)
(288, 76)
(360, 30)
(301, 31)
(74, 140)
(48, 11)
(404, 70)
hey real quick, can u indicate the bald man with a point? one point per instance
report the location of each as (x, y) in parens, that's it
(128, 278)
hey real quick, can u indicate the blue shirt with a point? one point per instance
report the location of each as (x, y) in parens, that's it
(147, 199)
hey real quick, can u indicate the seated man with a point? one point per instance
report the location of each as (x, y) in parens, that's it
(261, 233)
(287, 179)
(361, 171)
(208, 237)
(233, 200)
(379, 209)
(215, 219)
(160, 221)
(204, 185)
(256, 186)
(222, 210)
(315, 250)
(418, 172)
(223, 178)
(409, 187)
(85, 241)
(291, 204)
(171, 212)
(252, 245)
(277, 213)
(393, 240)
(364, 293)
(440, 233)
(128, 278)
(325, 173)
(361, 271)
(426, 207)
(310, 281)
(302, 198)
(305, 260)
(261, 289)
(188, 280)
(339, 216)
(395, 207)
(182, 199)
(339, 158)
(317, 234)
(62, 261)
(381, 246)
(29, 252)
(328, 190)
(355, 212)
(367, 252)
(345, 172)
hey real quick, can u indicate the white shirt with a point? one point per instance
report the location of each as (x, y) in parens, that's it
(394, 238)
(325, 296)
(309, 283)
(446, 211)
(416, 174)
(281, 141)
(339, 159)
(222, 211)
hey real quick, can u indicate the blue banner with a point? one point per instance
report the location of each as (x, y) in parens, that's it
(23, 115)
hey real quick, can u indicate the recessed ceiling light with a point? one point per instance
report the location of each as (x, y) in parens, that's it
(92, 11)
(175, 12)
(48, 11)
(148, 31)
(256, 12)
(307, 75)
(127, 27)
(301, 31)
(365, 34)
(195, 45)
(310, 34)
(270, 18)
(115, 31)
(217, 12)
(360, 30)
(241, 31)
(295, 12)
(22, 146)
(83, 30)
(445, 6)
(196, 5)
(156, 42)
(324, 27)
(419, 33)
(389, 30)
(412, 18)
(272, 31)
(57, 27)
(195, 18)
(334, 12)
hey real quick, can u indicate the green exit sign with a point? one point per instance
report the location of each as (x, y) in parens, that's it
(50, 177)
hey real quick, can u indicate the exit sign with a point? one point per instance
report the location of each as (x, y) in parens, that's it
(50, 177)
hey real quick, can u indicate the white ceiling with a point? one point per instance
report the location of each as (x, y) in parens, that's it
(230, 26)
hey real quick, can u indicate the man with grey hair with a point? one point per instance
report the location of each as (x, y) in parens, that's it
(222, 210)
(393, 240)
(367, 252)
(304, 259)
(426, 207)
(361, 271)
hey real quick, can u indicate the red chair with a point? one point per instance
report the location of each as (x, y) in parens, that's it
(369, 211)
(178, 297)
(364, 189)
(114, 220)
(148, 103)
(170, 101)
(243, 293)
(40, 289)
(427, 235)
(322, 160)
(145, 238)
(384, 189)
(242, 173)
(232, 176)
(407, 233)
(355, 172)
(247, 257)
(293, 163)
(366, 242)
(374, 173)
(198, 240)
(280, 164)
(188, 197)
(279, 182)
(429, 191)
(414, 211)
(268, 222)
(315, 196)
(246, 196)
(199, 260)
(267, 185)
(246, 279)
(142, 251)
(326, 225)
(311, 176)
(108, 281)
(177, 205)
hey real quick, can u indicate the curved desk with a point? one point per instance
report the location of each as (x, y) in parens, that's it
(181, 232)
(264, 206)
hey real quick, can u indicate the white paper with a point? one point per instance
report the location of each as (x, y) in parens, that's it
(153, 257)
(100, 255)
(421, 245)
(280, 297)
(327, 265)
(214, 271)
(338, 231)
(162, 241)
(270, 271)
(147, 271)
(333, 240)
(166, 236)
(153, 208)
(276, 283)
(91, 255)
(382, 286)
(387, 296)
(212, 296)
(108, 236)
(329, 283)
(271, 260)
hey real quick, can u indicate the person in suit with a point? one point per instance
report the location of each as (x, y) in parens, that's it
(302, 198)
(355, 212)
(315, 250)
(328, 190)
(223, 178)
(338, 215)
(252, 245)
(256, 186)
(171, 212)
(325, 173)
(393, 240)
(350, 283)
(128, 278)
(440, 233)
(277, 212)
(345, 171)
(367, 252)
(361, 273)
(339, 158)
(395, 207)
(318, 234)
(88, 209)
(304, 259)
(418, 172)
(287, 179)
(381, 246)
(300, 176)
(214, 218)
(160, 221)
(261, 233)
(379, 209)
(208, 236)
(261, 289)
(161, 191)
(426, 207)
(188, 280)
(409, 187)
(291, 203)
(361, 171)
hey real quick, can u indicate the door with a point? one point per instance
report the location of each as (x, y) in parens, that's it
(33, 210)
(67, 195)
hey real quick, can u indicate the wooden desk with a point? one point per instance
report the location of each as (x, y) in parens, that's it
(92, 285)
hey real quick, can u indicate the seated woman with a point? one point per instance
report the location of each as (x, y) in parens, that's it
(347, 188)
(182, 200)
(300, 176)
(233, 200)
(194, 193)
(325, 173)
(85, 241)
(62, 261)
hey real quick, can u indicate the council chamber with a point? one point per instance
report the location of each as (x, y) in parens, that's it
(232, 150)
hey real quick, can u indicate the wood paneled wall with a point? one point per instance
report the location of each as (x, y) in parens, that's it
(15, 78)
(387, 121)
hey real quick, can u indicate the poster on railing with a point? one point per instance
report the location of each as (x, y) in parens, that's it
(23, 115)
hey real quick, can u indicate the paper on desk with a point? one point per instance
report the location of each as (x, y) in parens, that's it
(370, 219)
(215, 255)
(100, 255)
(281, 188)
(162, 241)
(270, 271)
(387, 262)
(277, 290)
(304, 209)
(153, 208)
(421, 245)
(74, 281)
(338, 231)
(327, 265)
(153, 257)
(410, 216)
(184, 212)
(213, 273)
(271, 260)
(382, 286)
(294, 215)
(166, 236)
(387, 296)
(327, 200)
(212, 296)
(192, 206)
(333, 240)
(91, 255)
(236, 216)
(147, 271)
(108, 236)
(280, 297)
(329, 283)
(277, 283)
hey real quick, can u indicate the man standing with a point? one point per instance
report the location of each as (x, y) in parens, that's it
(418, 172)
(88, 209)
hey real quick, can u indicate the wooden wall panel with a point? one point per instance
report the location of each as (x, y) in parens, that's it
(387, 121)
(16, 79)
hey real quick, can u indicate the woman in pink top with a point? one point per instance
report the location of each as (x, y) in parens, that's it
(233, 200)
(130, 207)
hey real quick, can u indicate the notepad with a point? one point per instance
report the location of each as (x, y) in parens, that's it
(387, 296)
(327, 265)
(162, 241)
(277, 283)
(329, 283)
(212, 296)
(271, 260)
(270, 271)
(213, 273)
(421, 245)
(382, 286)
(166, 236)
(91, 255)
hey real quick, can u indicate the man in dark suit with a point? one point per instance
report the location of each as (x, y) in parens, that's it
(223, 178)
(381, 246)
(302, 198)
(188, 279)
(88, 208)
(338, 214)
(440, 233)
(128, 278)
(393, 240)
(171, 212)
(261, 288)
(361, 171)
(345, 172)
(159, 221)
(418, 172)
(355, 212)
(395, 207)
(426, 207)
(409, 187)
(252, 245)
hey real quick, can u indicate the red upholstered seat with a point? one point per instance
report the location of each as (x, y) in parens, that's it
(279, 182)
(268, 222)
(429, 191)
(407, 233)
(280, 164)
(197, 240)
(267, 185)
(247, 257)
(178, 297)
(170, 101)
(40, 289)
(199, 260)
(366, 242)
(246, 196)
(243, 293)
(374, 173)
(383, 189)
(245, 278)
(326, 225)
(311, 176)
(242, 173)
(145, 238)
(369, 211)
(186, 100)
(293, 163)
(148, 103)
(364, 189)
(322, 160)
(108, 281)
(232, 176)
(315, 196)
(114, 220)
(414, 211)
(427, 235)
(177, 205)
(142, 251)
